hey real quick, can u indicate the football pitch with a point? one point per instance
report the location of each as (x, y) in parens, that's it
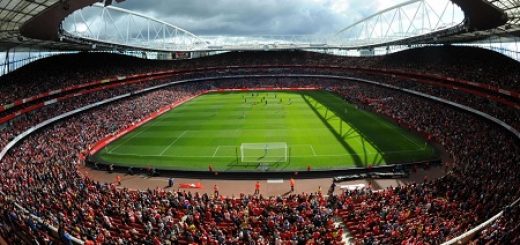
(266, 131)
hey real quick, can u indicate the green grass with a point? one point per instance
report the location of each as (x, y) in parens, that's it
(320, 128)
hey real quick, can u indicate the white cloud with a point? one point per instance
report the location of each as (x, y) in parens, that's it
(261, 17)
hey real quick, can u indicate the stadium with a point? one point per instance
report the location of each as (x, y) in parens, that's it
(391, 122)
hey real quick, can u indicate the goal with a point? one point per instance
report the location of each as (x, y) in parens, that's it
(263, 152)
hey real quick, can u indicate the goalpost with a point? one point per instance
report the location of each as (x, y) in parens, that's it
(271, 152)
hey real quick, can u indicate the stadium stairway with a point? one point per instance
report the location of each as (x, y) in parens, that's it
(346, 237)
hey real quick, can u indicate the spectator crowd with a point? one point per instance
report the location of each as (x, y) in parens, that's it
(472, 64)
(482, 179)
(41, 173)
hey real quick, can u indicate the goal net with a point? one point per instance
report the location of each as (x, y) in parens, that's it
(263, 152)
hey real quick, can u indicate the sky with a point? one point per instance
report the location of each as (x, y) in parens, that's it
(243, 22)
(259, 17)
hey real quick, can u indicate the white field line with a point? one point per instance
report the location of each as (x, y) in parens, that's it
(216, 150)
(153, 122)
(124, 142)
(404, 135)
(275, 181)
(413, 142)
(171, 144)
(299, 156)
(313, 151)
(393, 127)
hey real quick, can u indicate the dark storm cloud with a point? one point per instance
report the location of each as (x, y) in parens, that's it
(248, 17)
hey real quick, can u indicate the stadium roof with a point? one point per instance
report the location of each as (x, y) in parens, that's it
(36, 23)
(41, 18)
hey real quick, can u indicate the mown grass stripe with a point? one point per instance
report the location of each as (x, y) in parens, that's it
(317, 131)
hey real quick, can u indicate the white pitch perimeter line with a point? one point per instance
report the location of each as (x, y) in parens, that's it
(124, 142)
(393, 127)
(313, 151)
(153, 122)
(216, 150)
(300, 156)
(411, 141)
(404, 135)
(171, 144)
